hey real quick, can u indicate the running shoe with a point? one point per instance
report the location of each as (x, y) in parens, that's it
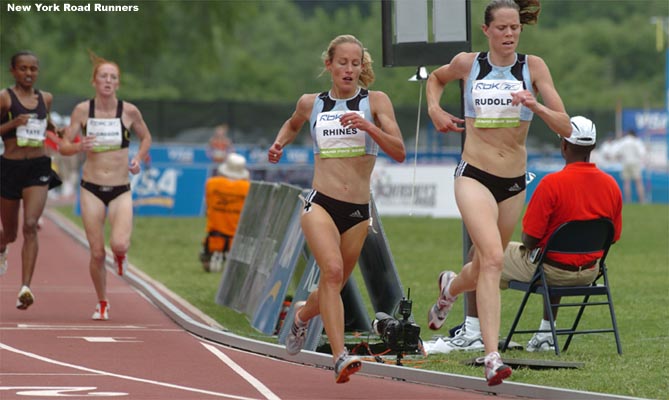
(298, 333)
(439, 311)
(465, 341)
(495, 370)
(25, 298)
(345, 366)
(121, 264)
(541, 341)
(101, 311)
(3, 261)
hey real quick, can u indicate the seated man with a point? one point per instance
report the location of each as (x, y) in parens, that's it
(225, 194)
(580, 191)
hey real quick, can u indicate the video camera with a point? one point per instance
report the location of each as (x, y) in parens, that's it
(400, 335)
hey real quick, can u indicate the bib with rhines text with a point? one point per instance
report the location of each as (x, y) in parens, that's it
(335, 140)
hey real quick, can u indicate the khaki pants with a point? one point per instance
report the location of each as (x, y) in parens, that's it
(518, 267)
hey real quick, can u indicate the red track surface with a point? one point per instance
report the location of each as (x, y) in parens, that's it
(54, 349)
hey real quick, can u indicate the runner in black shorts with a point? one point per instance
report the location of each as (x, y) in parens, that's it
(25, 169)
(501, 88)
(349, 124)
(106, 125)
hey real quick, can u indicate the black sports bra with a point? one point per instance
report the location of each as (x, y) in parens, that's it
(17, 108)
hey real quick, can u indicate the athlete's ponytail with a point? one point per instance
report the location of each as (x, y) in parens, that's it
(529, 11)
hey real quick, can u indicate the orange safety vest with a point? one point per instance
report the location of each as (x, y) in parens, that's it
(225, 200)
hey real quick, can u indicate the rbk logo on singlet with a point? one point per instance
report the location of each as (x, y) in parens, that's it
(509, 86)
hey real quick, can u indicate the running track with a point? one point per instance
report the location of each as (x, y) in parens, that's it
(54, 349)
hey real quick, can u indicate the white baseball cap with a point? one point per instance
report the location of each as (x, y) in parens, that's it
(234, 167)
(583, 132)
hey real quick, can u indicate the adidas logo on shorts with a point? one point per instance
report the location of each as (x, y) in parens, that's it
(356, 214)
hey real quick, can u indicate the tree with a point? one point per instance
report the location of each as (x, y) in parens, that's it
(599, 52)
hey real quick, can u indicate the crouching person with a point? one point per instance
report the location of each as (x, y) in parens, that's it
(225, 194)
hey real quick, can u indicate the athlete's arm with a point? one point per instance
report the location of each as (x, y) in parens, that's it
(138, 126)
(77, 119)
(386, 132)
(291, 127)
(457, 69)
(552, 111)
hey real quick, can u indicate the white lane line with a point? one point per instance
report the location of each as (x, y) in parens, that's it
(92, 326)
(44, 374)
(95, 327)
(126, 377)
(264, 390)
(104, 339)
(60, 391)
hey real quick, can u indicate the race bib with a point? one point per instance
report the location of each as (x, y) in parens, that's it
(107, 133)
(31, 134)
(335, 140)
(492, 103)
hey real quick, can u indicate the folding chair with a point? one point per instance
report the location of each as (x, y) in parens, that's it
(574, 237)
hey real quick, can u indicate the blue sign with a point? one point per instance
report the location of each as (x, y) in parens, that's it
(169, 190)
(651, 124)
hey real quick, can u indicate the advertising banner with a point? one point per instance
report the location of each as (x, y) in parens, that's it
(426, 190)
(169, 190)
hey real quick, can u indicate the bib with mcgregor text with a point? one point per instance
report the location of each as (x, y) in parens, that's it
(107, 133)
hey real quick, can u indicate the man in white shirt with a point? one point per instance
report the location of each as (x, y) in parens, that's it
(631, 152)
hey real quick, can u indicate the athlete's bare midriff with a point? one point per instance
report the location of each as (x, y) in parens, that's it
(498, 151)
(106, 167)
(345, 179)
(15, 152)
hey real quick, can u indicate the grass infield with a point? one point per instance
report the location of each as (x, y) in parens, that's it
(167, 249)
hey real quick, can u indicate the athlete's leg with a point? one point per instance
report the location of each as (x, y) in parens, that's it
(93, 213)
(120, 219)
(328, 247)
(34, 200)
(9, 215)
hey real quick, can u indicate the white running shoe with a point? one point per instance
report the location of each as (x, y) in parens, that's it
(25, 298)
(439, 311)
(3, 261)
(541, 341)
(345, 366)
(495, 370)
(298, 333)
(464, 341)
(101, 311)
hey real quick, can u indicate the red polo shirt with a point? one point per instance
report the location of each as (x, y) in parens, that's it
(580, 191)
